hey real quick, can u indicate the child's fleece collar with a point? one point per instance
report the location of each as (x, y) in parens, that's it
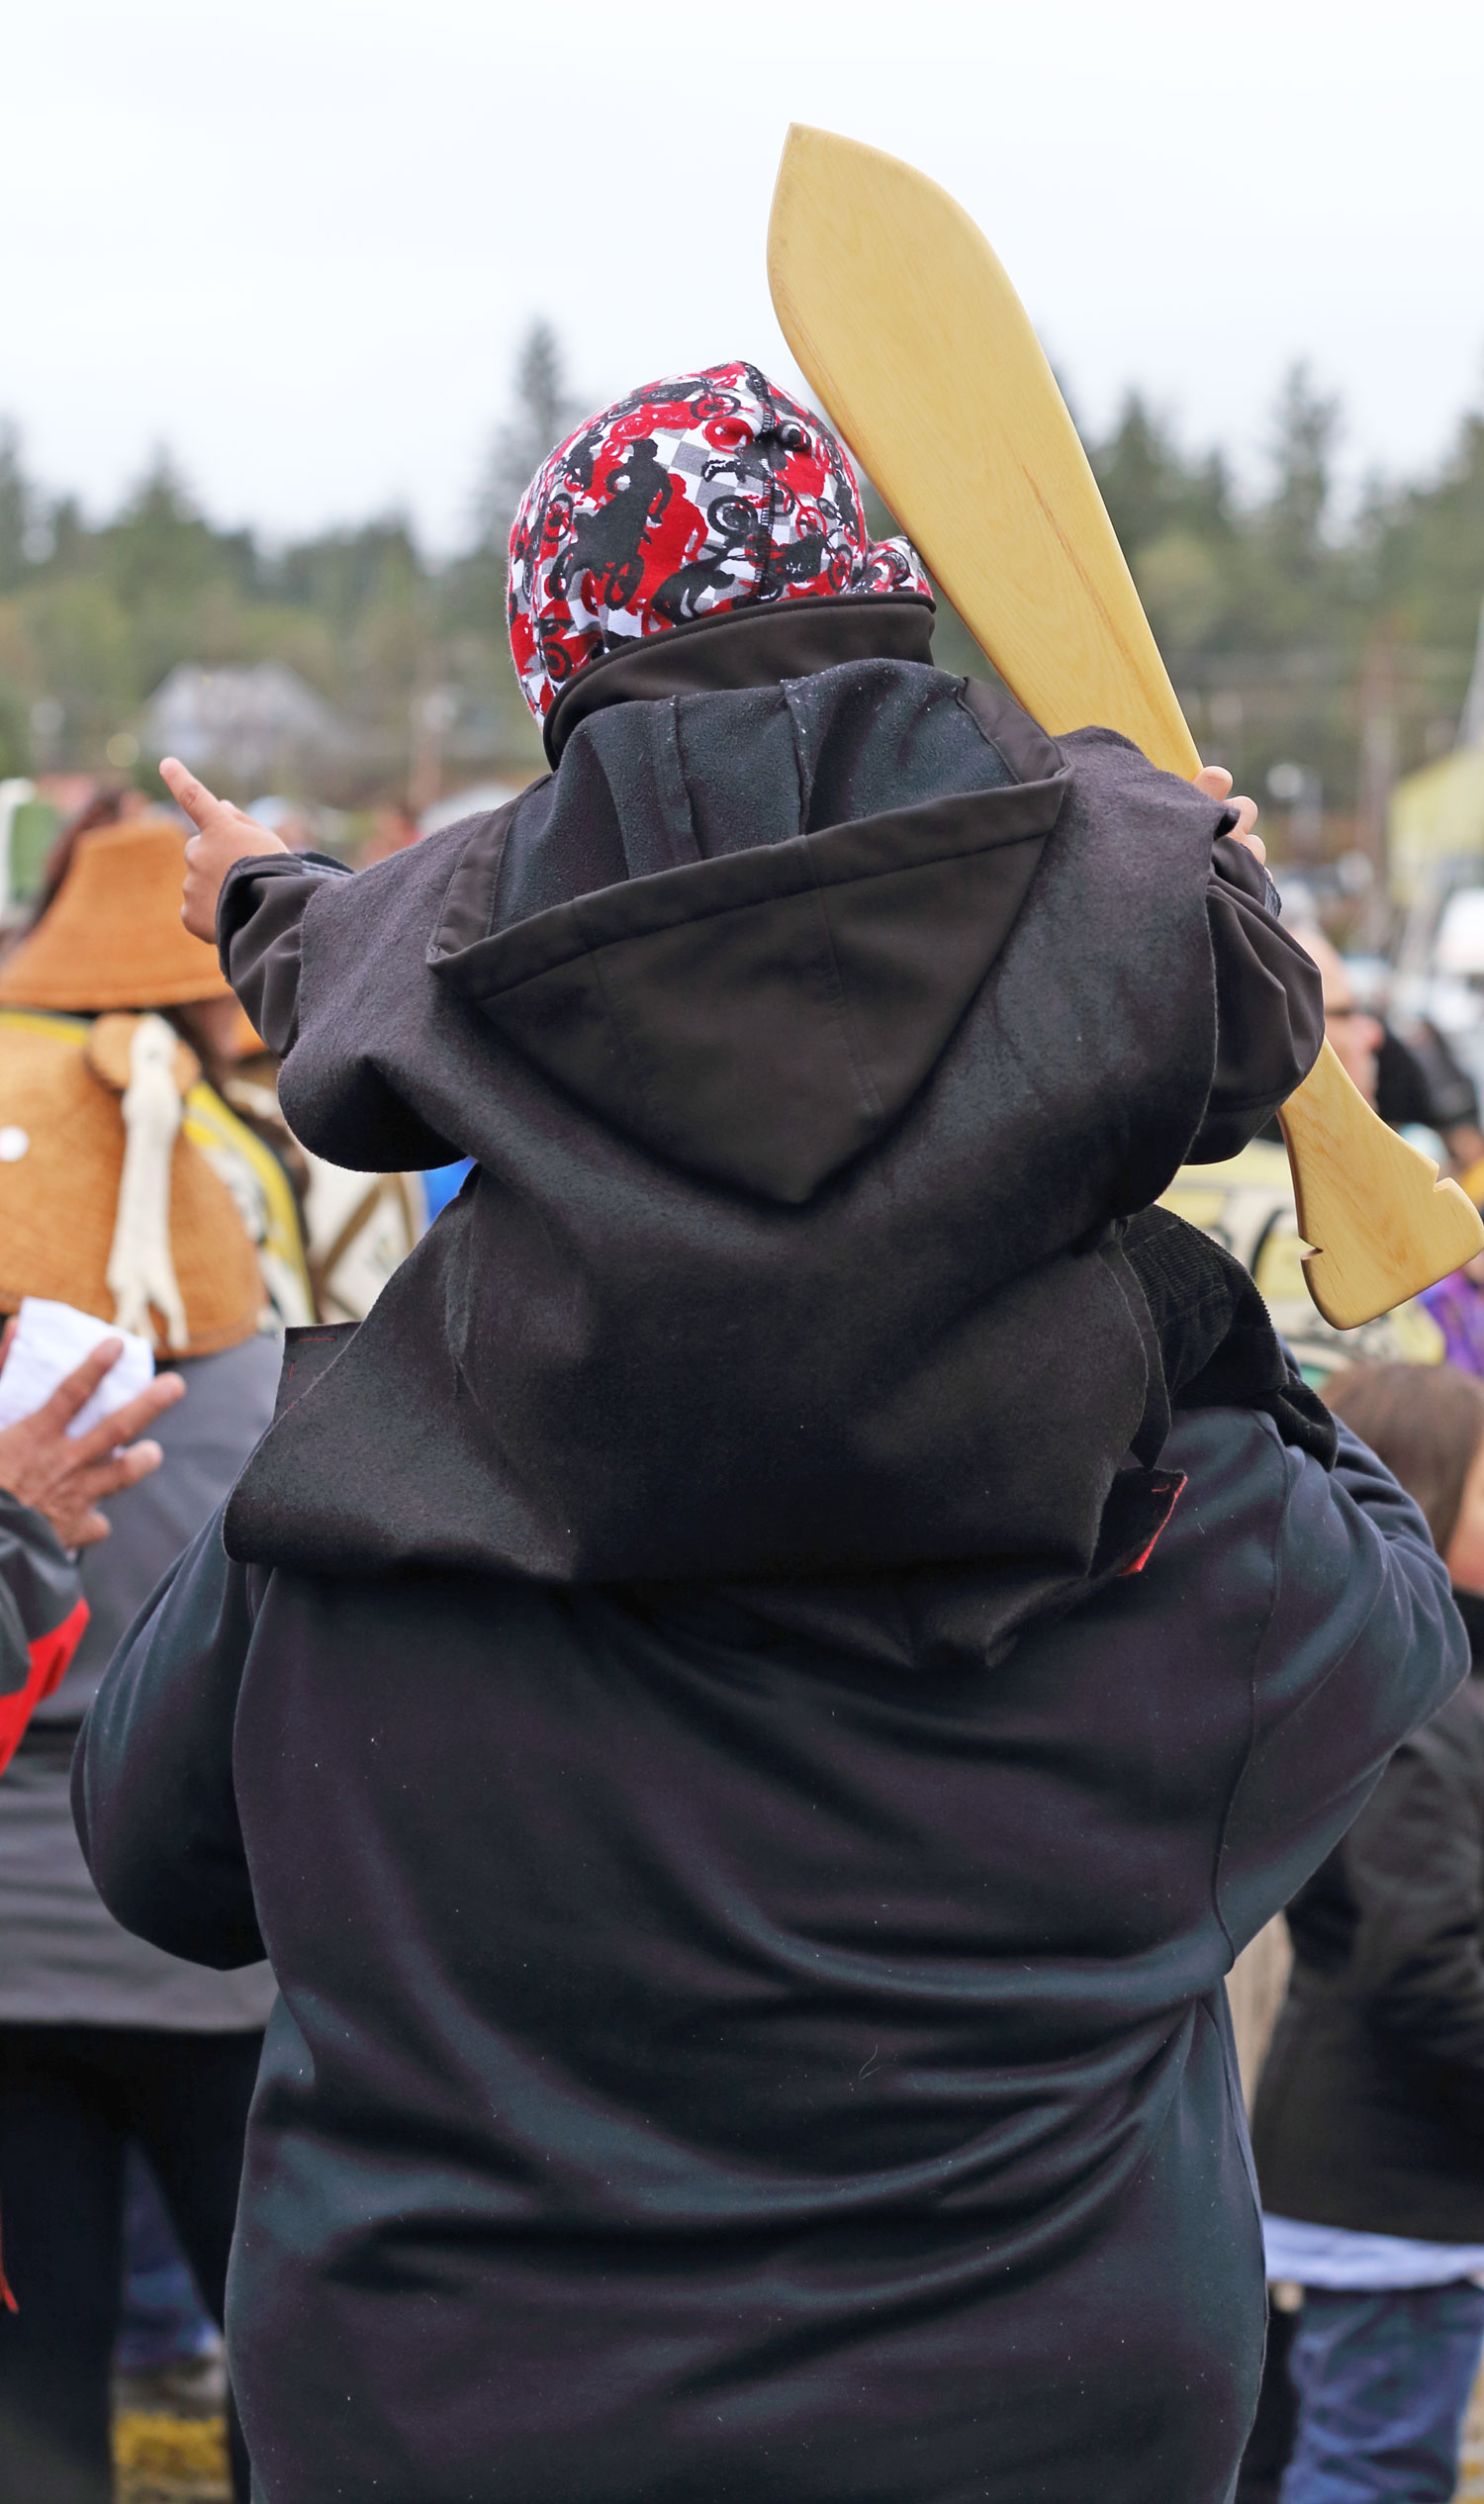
(708, 493)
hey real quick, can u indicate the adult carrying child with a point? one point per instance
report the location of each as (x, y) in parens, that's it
(752, 1700)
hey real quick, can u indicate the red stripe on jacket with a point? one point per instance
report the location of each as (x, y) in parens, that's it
(49, 1659)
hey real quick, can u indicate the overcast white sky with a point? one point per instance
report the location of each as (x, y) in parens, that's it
(298, 239)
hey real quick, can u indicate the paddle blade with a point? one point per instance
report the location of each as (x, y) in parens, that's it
(919, 347)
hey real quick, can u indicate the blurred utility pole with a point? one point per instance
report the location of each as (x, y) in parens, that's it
(1377, 704)
(542, 411)
(434, 709)
(1302, 794)
(1472, 721)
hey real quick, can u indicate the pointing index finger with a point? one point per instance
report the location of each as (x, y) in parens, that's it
(199, 803)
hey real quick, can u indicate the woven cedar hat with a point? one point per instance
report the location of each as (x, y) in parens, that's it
(112, 936)
(61, 1156)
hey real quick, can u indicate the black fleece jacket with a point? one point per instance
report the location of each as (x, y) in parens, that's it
(1371, 2108)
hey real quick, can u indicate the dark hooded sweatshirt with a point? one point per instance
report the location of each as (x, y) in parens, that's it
(749, 1786)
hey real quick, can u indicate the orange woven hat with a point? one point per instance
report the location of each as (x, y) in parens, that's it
(112, 936)
(62, 1146)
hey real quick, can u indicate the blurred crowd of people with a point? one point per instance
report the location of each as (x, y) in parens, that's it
(124, 2073)
(1360, 2012)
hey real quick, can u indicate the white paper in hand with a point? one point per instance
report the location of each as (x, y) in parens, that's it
(50, 1343)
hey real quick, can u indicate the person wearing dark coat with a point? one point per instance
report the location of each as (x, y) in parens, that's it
(1369, 2122)
(752, 1702)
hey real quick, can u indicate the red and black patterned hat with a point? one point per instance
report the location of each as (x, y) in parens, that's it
(712, 492)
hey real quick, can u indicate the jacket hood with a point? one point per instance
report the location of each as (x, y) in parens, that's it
(813, 1031)
(754, 978)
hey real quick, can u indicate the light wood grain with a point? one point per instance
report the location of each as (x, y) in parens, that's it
(920, 352)
(910, 331)
(1384, 1226)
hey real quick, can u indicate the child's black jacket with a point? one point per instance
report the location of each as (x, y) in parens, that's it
(813, 1035)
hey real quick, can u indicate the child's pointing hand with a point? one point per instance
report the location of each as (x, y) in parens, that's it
(224, 834)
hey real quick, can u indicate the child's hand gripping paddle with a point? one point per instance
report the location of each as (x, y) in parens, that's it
(920, 350)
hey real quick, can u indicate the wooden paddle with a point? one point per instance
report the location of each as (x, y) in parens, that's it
(920, 352)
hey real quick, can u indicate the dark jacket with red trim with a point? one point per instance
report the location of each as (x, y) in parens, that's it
(724, 2060)
(42, 1614)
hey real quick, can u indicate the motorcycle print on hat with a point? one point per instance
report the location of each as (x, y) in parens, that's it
(690, 498)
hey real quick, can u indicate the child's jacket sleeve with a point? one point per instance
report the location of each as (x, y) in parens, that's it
(260, 920)
(1269, 1012)
(1269, 1005)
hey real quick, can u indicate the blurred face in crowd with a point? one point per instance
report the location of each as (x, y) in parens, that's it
(1352, 1030)
(1464, 1557)
(1426, 1423)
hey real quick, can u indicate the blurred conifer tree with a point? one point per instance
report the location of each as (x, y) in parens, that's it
(1263, 602)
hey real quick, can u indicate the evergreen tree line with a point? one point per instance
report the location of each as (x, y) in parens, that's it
(1283, 623)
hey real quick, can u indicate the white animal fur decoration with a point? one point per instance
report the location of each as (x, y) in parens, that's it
(140, 1266)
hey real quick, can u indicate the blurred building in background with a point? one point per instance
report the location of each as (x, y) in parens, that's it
(260, 725)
